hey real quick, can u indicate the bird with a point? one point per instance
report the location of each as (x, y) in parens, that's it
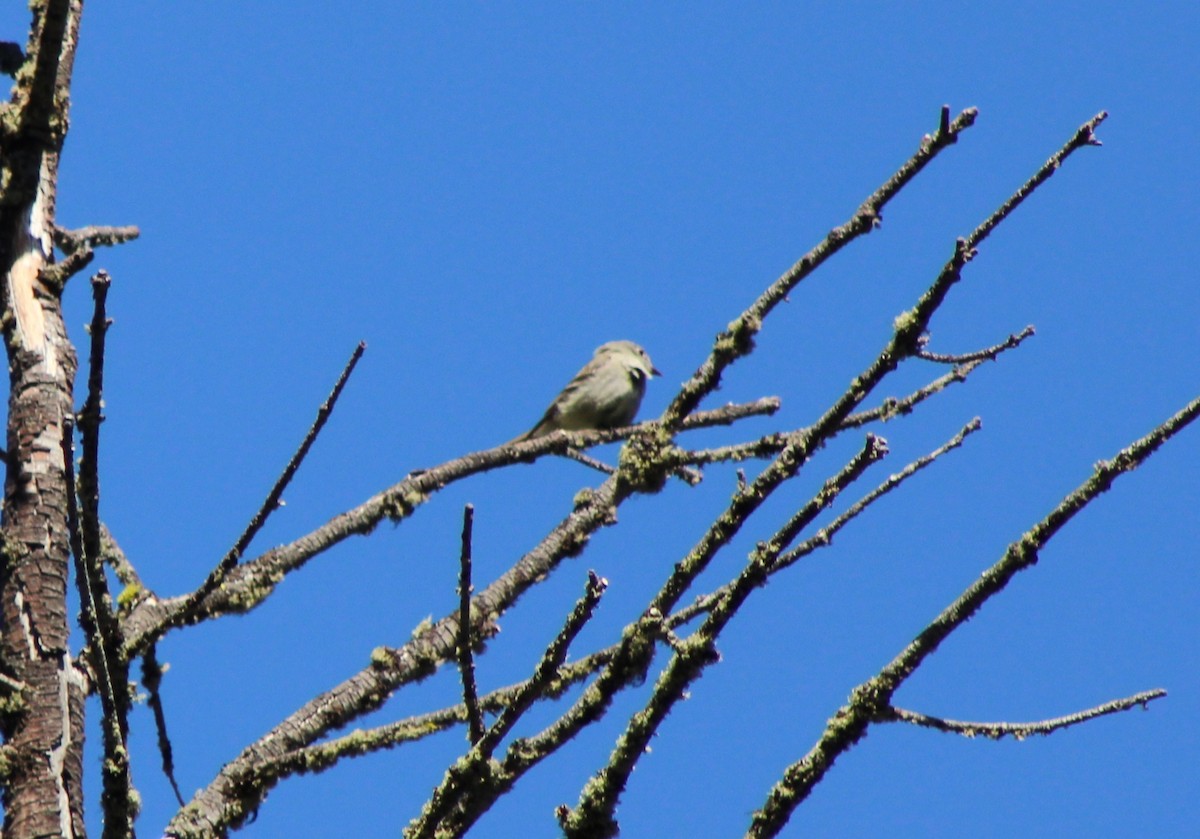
(606, 393)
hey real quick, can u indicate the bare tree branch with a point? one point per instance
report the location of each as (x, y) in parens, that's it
(738, 338)
(152, 673)
(893, 407)
(79, 247)
(475, 782)
(644, 465)
(93, 236)
(986, 354)
(90, 602)
(252, 582)
(868, 700)
(595, 815)
(1019, 730)
(91, 530)
(186, 609)
(466, 663)
(119, 799)
(690, 476)
(824, 537)
(550, 665)
(322, 755)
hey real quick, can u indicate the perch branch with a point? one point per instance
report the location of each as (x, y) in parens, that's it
(224, 802)
(250, 583)
(594, 816)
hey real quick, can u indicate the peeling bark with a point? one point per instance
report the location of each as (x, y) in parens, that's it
(44, 728)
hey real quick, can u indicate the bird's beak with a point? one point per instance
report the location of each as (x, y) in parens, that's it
(654, 371)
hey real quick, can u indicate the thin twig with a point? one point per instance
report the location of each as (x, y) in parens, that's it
(455, 804)
(738, 338)
(766, 446)
(117, 793)
(548, 668)
(1018, 730)
(589, 461)
(112, 554)
(868, 700)
(689, 476)
(79, 247)
(118, 796)
(191, 603)
(594, 815)
(824, 537)
(223, 803)
(361, 742)
(772, 444)
(1085, 135)
(466, 659)
(90, 419)
(152, 674)
(250, 583)
(985, 354)
(893, 407)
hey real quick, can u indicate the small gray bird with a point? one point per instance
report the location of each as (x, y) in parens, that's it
(606, 393)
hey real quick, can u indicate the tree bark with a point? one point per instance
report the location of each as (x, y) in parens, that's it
(43, 723)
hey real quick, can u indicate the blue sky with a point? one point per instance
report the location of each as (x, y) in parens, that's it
(486, 193)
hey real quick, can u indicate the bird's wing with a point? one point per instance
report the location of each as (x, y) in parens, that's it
(549, 421)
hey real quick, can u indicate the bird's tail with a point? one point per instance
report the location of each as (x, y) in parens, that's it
(536, 431)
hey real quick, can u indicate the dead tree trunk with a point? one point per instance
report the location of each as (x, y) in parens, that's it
(42, 717)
